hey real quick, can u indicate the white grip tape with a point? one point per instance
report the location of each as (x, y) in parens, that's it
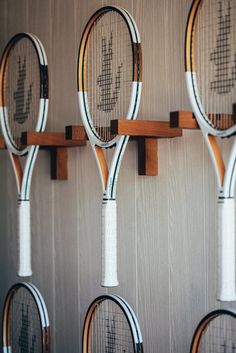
(109, 244)
(226, 285)
(6, 349)
(24, 244)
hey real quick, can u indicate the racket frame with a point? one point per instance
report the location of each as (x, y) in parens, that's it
(127, 311)
(225, 174)
(24, 177)
(202, 326)
(109, 177)
(42, 311)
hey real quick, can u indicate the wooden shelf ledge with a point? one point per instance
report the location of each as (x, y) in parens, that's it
(183, 120)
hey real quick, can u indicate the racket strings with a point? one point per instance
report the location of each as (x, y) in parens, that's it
(221, 56)
(21, 90)
(214, 56)
(109, 72)
(219, 336)
(25, 326)
(109, 330)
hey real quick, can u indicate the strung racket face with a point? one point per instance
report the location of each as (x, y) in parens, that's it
(109, 64)
(211, 63)
(25, 322)
(23, 89)
(216, 333)
(111, 326)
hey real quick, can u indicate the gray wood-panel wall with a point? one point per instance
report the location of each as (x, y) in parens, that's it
(166, 224)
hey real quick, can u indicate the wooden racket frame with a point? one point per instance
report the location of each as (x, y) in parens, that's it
(14, 152)
(81, 83)
(202, 326)
(23, 175)
(129, 314)
(109, 176)
(42, 311)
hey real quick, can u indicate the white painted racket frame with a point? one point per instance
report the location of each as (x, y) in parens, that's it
(109, 222)
(225, 174)
(24, 177)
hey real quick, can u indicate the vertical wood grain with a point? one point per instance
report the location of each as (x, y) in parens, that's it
(167, 225)
(64, 103)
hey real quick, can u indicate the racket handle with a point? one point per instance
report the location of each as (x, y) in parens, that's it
(24, 269)
(226, 287)
(109, 244)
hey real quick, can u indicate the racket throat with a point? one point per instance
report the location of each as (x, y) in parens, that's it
(217, 159)
(102, 166)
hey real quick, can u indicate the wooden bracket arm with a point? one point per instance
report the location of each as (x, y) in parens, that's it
(2, 143)
(144, 128)
(183, 120)
(75, 133)
(50, 139)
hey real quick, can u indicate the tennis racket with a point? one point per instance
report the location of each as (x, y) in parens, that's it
(109, 88)
(23, 108)
(210, 63)
(216, 333)
(25, 321)
(111, 326)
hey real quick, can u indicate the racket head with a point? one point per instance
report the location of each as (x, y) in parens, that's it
(210, 65)
(216, 332)
(111, 326)
(23, 89)
(109, 72)
(25, 320)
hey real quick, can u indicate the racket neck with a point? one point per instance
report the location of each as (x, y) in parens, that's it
(225, 173)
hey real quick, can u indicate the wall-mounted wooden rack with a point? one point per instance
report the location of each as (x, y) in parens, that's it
(58, 146)
(145, 132)
(183, 120)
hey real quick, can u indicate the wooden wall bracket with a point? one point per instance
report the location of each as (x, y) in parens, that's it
(58, 146)
(145, 132)
(183, 120)
(2, 143)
